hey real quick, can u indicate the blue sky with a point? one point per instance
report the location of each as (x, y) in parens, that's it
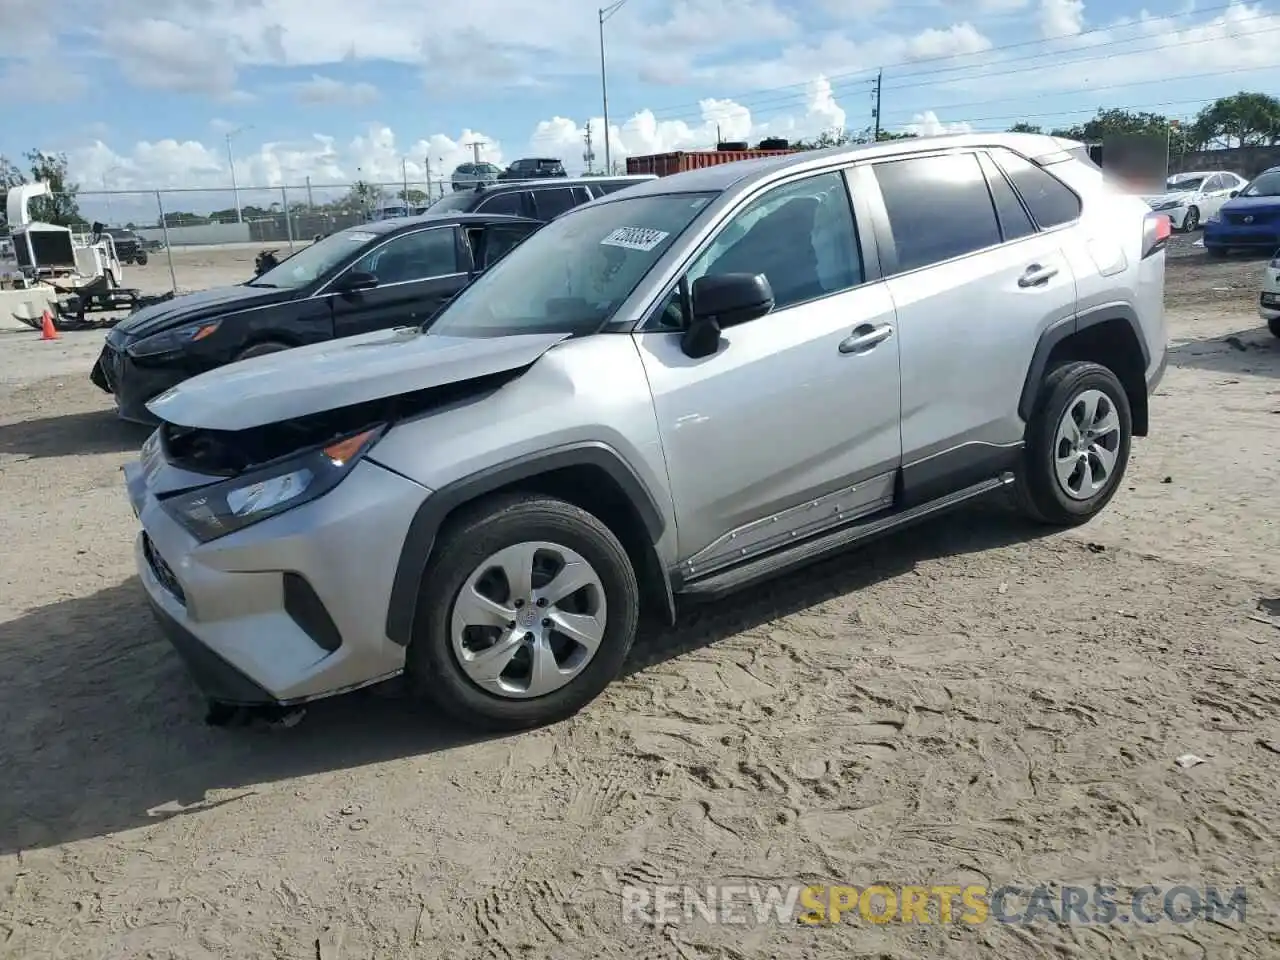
(339, 89)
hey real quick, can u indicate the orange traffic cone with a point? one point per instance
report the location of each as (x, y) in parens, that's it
(47, 330)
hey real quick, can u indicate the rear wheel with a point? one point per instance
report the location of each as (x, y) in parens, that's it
(141, 258)
(1077, 445)
(527, 610)
(261, 349)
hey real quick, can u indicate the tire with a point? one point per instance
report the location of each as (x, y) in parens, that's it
(141, 258)
(261, 349)
(1216, 253)
(1191, 220)
(1274, 326)
(514, 523)
(1040, 492)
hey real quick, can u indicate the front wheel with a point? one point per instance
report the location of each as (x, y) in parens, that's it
(1077, 445)
(261, 349)
(1216, 253)
(1191, 220)
(526, 613)
(1274, 326)
(141, 258)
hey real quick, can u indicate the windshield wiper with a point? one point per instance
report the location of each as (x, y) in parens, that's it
(268, 286)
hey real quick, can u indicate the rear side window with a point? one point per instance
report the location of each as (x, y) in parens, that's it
(939, 208)
(1014, 222)
(611, 186)
(1050, 201)
(552, 203)
(511, 203)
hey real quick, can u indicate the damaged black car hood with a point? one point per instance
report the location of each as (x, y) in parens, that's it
(340, 373)
(193, 307)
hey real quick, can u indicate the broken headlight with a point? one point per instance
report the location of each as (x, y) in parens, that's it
(231, 505)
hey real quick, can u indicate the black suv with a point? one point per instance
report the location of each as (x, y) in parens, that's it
(534, 168)
(536, 201)
(128, 245)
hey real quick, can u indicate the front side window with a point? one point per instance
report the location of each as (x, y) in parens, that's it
(939, 208)
(510, 203)
(414, 256)
(572, 275)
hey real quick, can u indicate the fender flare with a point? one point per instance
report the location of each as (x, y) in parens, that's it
(423, 529)
(1055, 334)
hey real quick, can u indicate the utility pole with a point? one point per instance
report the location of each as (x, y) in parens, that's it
(404, 177)
(603, 14)
(231, 162)
(475, 146)
(589, 155)
(310, 201)
(875, 111)
(426, 167)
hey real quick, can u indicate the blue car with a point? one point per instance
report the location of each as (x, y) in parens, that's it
(1249, 220)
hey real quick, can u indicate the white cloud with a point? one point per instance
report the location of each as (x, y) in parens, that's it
(1061, 18)
(321, 90)
(927, 124)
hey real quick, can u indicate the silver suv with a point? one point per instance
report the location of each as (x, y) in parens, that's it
(676, 390)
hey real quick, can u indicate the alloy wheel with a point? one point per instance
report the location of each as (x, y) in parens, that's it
(528, 620)
(1087, 445)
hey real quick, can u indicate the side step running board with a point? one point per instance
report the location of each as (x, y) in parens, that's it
(719, 584)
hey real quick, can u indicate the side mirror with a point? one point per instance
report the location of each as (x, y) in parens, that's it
(1235, 193)
(724, 301)
(356, 281)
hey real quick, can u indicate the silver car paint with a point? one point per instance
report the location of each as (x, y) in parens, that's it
(339, 373)
(717, 442)
(345, 544)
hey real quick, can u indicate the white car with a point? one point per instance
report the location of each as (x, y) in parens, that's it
(1193, 197)
(1269, 296)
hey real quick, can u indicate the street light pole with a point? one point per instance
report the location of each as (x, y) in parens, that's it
(604, 13)
(231, 162)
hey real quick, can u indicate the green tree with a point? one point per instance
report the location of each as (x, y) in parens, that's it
(61, 206)
(1240, 120)
(884, 135)
(412, 196)
(1023, 127)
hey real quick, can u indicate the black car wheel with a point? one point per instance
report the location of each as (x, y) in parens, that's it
(528, 608)
(1077, 445)
(140, 258)
(261, 349)
(1274, 326)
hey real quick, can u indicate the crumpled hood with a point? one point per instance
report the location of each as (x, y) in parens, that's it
(193, 307)
(340, 373)
(1173, 196)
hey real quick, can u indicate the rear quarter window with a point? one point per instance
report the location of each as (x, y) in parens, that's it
(1051, 202)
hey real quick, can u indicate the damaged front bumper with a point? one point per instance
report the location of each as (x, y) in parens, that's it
(288, 610)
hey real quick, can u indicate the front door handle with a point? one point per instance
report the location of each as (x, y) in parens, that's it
(1036, 275)
(864, 337)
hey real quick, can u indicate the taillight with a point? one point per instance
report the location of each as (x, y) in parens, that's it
(1156, 230)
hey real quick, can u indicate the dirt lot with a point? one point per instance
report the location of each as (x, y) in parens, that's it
(973, 702)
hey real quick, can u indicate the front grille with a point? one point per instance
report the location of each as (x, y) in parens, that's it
(162, 571)
(1248, 219)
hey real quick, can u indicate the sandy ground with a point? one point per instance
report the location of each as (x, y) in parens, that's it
(973, 702)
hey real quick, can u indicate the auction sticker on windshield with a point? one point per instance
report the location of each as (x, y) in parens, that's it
(635, 238)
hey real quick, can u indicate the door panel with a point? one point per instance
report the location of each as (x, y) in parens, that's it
(788, 410)
(970, 309)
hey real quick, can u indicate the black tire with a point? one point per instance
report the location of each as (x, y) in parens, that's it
(1038, 492)
(1191, 220)
(1215, 253)
(261, 349)
(141, 258)
(1274, 326)
(492, 525)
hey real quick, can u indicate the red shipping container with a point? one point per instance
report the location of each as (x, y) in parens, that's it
(665, 164)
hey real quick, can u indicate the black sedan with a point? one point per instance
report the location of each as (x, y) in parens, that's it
(391, 273)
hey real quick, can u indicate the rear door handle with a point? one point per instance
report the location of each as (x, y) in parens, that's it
(1036, 275)
(864, 337)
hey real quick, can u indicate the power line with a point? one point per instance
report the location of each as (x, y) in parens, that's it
(792, 100)
(864, 75)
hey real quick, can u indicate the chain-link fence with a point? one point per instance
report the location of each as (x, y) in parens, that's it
(188, 239)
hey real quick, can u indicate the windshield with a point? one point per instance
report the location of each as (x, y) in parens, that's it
(1267, 185)
(459, 200)
(573, 274)
(310, 263)
(1191, 183)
